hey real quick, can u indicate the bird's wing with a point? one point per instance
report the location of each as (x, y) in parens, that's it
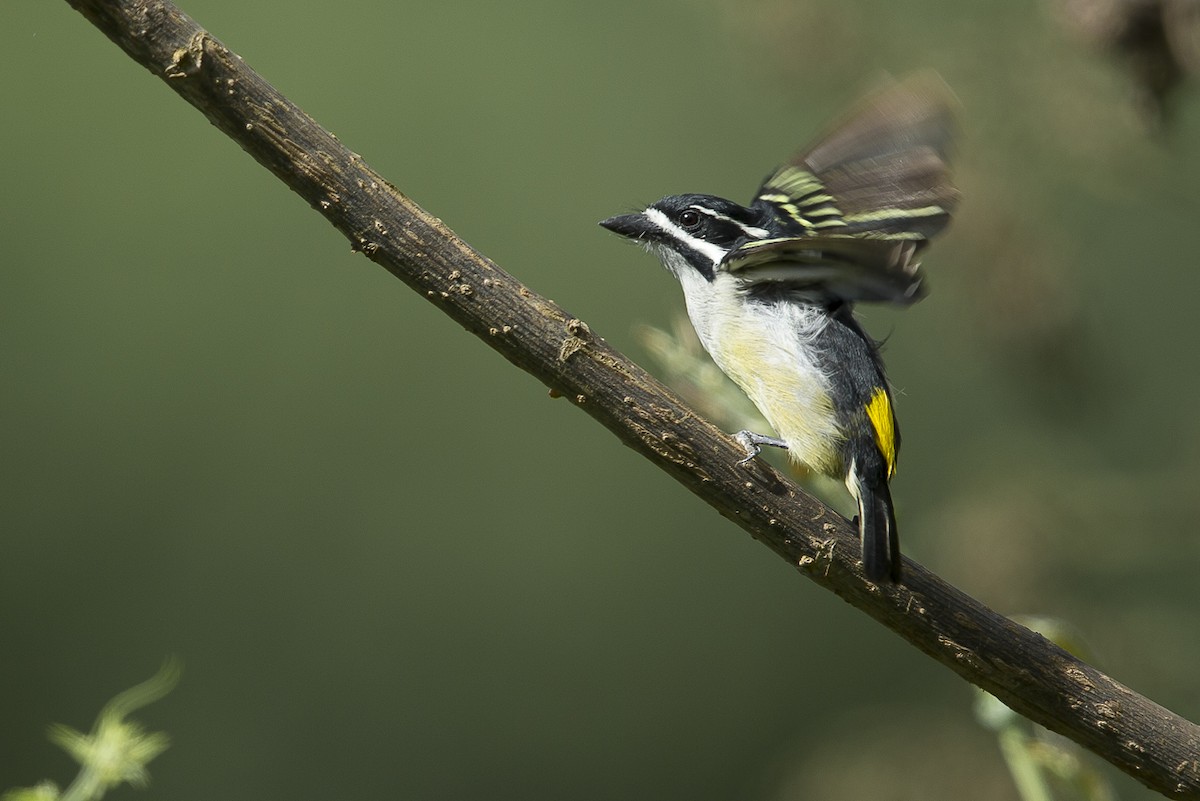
(848, 268)
(864, 199)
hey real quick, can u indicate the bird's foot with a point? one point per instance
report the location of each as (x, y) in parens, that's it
(752, 443)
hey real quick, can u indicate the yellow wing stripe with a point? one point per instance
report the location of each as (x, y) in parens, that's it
(795, 181)
(879, 412)
(889, 214)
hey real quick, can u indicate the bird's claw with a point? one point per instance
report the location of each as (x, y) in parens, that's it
(746, 440)
(753, 443)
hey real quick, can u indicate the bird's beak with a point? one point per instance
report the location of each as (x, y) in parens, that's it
(633, 226)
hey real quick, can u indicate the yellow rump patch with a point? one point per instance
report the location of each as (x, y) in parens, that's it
(879, 412)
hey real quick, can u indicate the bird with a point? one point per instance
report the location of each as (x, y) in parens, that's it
(770, 288)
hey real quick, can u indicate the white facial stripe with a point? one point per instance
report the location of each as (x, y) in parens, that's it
(751, 231)
(714, 252)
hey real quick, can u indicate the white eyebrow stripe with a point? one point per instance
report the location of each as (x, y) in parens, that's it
(750, 230)
(714, 252)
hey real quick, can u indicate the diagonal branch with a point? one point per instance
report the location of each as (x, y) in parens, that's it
(1021, 668)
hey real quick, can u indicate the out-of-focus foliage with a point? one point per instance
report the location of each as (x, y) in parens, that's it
(1044, 765)
(396, 567)
(116, 751)
(1157, 41)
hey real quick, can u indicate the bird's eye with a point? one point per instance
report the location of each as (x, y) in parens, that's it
(689, 218)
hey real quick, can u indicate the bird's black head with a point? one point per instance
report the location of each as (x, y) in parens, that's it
(696, 230)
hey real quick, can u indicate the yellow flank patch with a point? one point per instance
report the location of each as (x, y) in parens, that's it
(879, 412)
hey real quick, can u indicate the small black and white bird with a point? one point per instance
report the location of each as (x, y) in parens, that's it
(770, 288)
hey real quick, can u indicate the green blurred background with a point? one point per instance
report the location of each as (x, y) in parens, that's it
(394, 567)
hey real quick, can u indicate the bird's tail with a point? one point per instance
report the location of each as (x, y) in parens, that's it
(877, 529)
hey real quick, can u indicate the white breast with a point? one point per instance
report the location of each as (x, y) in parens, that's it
(769, 350)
